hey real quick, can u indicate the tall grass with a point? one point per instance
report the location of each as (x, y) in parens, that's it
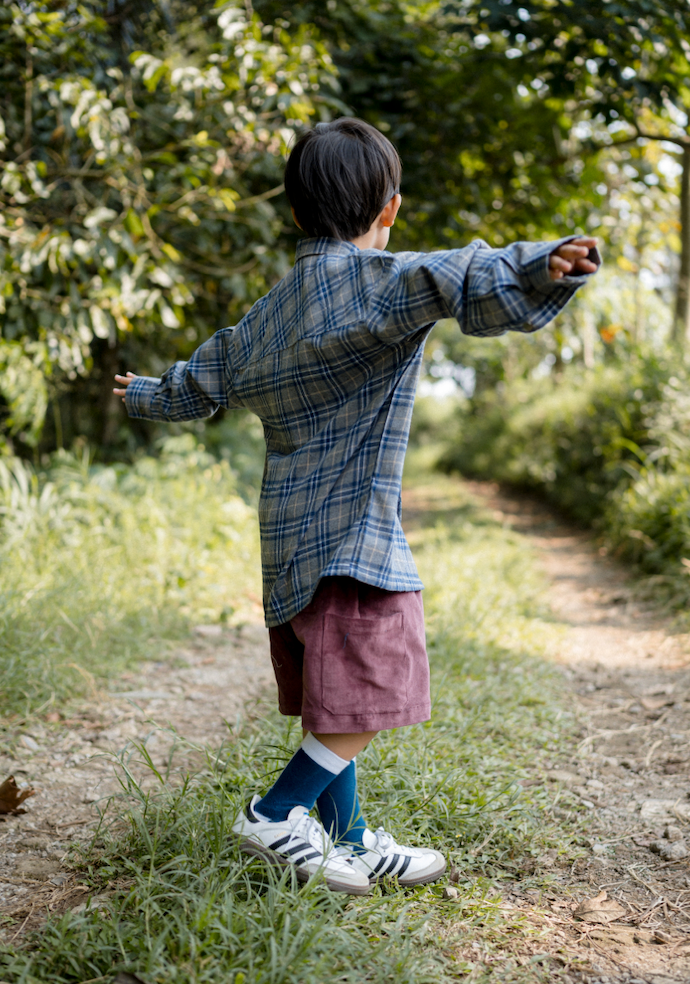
(99, 564)
(186, 907)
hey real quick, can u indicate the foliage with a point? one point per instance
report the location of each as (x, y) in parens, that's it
(24, 391)
(650, 519)
(95, 561)
(571, 437)
(192, 909)
(609, 446)
(141, 161)
(623, 68)
(137, 186)
(620, 57)
(479, 158)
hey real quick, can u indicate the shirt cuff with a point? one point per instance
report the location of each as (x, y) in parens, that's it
(537, 268)
(139, 396)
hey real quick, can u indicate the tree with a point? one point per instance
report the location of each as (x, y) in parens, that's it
(137, 190)
(478, 158)
(624, 64)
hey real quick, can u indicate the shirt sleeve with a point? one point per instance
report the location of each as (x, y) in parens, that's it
(187, 390)
(489, 291)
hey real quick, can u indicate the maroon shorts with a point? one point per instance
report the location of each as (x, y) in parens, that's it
(354, 659)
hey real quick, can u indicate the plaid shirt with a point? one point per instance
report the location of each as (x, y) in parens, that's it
(329, 360)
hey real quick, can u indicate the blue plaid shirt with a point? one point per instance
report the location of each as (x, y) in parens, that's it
(329, 360)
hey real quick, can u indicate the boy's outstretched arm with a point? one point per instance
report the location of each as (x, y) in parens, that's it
(520, 287)
(524, 286)
(185, 391)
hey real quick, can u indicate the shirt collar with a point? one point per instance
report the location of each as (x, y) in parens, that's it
(316, 246)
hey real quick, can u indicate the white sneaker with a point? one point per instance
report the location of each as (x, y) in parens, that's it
(410, 865)
(300, 841)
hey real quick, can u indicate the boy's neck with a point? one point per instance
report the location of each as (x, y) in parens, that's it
(378, 234)
(375, 238)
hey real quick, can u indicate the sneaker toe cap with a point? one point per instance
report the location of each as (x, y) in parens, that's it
(426, 868)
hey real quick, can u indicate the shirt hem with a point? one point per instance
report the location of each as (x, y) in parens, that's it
(387, 583)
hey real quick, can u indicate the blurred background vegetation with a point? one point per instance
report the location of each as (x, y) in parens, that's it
(142, 144)
(141, 152)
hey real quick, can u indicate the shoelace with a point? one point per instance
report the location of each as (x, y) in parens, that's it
(311, 830)
(385, 841)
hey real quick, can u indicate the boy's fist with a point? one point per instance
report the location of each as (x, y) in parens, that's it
(572, 257)
(124, 381)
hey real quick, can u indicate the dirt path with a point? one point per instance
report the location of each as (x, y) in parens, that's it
(178, 712)
(629, 673)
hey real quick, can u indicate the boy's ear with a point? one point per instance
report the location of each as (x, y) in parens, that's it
(294, 216)
(390, 210)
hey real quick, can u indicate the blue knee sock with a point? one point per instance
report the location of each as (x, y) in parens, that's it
(339, 808)
(311, 769)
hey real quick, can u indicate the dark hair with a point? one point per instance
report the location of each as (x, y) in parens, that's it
(339, 176)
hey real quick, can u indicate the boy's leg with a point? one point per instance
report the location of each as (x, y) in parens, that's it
(352, 662)
(374, 854)
(278, 826)
(338, 804)
(318, 761)
(365, 664)
(340, 812)
(347, 745)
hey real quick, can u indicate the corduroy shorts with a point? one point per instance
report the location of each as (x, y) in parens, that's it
(354, 659)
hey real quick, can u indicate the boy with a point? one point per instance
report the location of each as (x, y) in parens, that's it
(329, 360)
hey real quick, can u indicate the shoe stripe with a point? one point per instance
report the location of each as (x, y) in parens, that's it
(301, 858)
(303, 846)
(389, 869)
(308, 857)
(279, 843)
(405, 866)
(380, 864)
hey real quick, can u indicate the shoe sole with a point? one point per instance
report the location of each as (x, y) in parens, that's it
(423, 877)
(266, 854)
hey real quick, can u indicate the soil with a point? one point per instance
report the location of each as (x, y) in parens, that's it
(627, 666)
(177, 712)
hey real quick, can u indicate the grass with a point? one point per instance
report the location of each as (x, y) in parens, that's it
(99, 564)
(183, 905)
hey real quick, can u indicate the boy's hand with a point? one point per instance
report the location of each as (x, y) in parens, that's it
(125, 381)
(572, 258)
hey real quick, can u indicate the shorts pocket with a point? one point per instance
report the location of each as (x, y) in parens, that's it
(365, 666)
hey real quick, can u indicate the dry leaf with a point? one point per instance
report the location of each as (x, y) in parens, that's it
(11, 796)
(600, 909)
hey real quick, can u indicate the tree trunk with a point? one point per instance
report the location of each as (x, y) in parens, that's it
(589, 335)
(28, 102)
(681, 324)
(111, 407)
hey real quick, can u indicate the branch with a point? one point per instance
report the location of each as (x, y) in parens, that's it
(28, 96)
(217, 271)
(678, 141)
(640, 134)
(261, 198)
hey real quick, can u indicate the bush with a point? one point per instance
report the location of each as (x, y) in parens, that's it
(575, 437)
(609, 446)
